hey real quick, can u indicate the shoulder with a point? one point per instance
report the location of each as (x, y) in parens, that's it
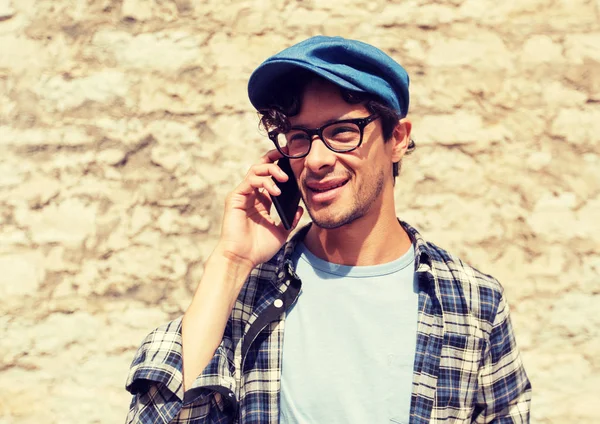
(461, 288)
(451, 269)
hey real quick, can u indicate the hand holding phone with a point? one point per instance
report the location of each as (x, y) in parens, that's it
(249, 232)
(287, 202)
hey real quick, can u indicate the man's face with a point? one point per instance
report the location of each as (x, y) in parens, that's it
(340, 188)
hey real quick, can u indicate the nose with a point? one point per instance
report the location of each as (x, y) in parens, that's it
(319, 157)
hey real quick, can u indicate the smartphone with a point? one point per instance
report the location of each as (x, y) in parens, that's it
(287, 202)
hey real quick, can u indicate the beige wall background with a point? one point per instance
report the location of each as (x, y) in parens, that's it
(123, 124)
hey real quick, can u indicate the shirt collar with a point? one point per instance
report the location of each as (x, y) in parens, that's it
(281, 263)
(423, 252)
(284, 275)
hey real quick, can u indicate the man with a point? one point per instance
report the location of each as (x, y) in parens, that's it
(356, 319)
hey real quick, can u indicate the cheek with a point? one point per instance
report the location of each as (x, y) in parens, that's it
(297, 166)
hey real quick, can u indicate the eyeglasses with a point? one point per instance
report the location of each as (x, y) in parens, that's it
(340, 136)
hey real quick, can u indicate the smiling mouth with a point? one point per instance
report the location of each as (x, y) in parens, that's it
(322, 190)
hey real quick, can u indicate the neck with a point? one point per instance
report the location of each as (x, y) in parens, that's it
(370, 240)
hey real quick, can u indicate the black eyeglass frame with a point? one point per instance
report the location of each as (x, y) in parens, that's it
(361, 123)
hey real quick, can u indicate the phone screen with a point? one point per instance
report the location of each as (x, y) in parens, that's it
(287, 202)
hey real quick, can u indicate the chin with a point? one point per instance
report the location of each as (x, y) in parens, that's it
(328, 221)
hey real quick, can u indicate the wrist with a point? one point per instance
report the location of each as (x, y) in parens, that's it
(231, 268)
(226, 260)
(222, 279)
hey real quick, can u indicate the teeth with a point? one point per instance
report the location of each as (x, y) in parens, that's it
(329, 188)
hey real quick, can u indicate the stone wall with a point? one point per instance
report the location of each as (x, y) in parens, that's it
(123, 123)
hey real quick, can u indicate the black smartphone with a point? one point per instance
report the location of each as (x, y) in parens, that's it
(287, 202)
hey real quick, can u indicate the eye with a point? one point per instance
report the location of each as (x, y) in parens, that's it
(343, 132)
(297, 136)
(344, 129)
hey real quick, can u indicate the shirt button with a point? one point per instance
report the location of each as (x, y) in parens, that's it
(278, 303)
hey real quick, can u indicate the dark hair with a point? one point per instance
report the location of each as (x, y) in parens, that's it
(286, 101)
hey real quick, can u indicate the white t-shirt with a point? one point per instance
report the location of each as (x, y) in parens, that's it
(349, 342)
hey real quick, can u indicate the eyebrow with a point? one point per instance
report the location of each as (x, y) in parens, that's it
(329, 121)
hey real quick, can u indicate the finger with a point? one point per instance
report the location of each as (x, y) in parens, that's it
(258, 200)
(270, 169)
(253, 183)
(271, 156)
(265, 200)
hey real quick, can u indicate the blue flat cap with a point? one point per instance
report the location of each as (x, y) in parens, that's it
(350, 64)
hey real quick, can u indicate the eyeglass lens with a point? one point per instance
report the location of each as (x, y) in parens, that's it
(339, 137)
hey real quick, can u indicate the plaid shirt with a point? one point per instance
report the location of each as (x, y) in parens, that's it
(467, 366)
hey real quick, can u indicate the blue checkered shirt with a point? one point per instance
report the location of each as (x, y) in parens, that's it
(467, 365)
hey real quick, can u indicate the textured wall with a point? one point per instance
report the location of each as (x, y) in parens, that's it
(124, 123)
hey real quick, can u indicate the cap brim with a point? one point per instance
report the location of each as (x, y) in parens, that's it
(265, 79)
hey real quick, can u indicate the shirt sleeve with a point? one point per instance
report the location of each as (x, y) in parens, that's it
(156, 382)
(504, 394)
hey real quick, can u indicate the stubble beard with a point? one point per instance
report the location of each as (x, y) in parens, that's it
(362, 201)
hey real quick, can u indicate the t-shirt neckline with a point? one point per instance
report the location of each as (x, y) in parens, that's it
(396, 265)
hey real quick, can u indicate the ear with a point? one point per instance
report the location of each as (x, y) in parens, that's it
(400, 139)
